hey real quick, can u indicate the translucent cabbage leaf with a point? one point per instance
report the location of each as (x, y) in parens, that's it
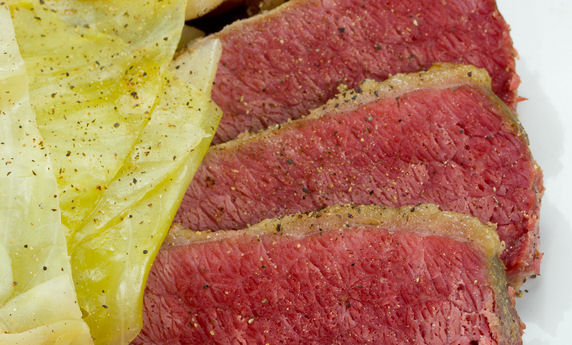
(95, 72)
(113, 252)
(38, 303)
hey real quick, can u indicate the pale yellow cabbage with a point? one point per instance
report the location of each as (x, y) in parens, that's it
(113, 252)
(38, 303)
(188, 35)
(95, 71)
(126, 129)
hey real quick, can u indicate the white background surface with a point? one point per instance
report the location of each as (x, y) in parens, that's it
(542, 35)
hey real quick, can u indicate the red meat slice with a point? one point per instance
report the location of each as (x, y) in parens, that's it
(344, 275)
(281, 64)
(440, 137)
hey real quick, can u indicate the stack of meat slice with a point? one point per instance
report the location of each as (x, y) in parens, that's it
(444, 135)
(344, 275)
(439, 137)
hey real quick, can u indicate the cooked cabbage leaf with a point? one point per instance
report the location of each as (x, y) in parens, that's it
(113, 252)
(126, 131)
(95, 71)
(38, 303)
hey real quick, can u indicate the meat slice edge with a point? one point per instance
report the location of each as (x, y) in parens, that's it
(340, 275)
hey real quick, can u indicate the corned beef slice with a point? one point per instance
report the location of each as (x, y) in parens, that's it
(439, 136)
(281, 64)
(344, 275)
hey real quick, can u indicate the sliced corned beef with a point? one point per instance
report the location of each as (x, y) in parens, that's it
(344, 275)
(439, 136)
(281, 64)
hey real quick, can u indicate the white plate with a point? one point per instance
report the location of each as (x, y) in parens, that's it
(542, 35)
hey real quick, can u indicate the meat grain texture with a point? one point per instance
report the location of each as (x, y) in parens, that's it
(437, 137)
(344, 275)
(281, 64)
